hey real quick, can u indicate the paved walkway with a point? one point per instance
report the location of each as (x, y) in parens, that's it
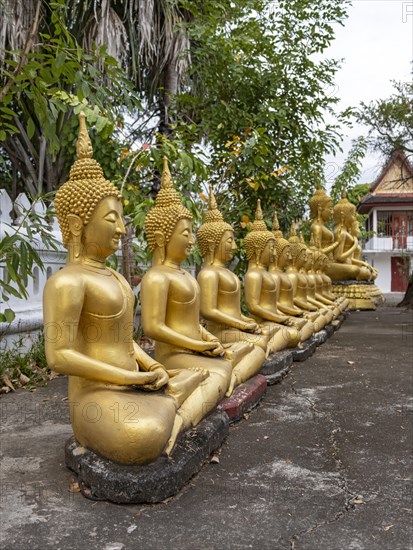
(322, 463)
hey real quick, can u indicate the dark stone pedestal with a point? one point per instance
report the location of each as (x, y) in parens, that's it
(320, 337)
(330, 329)
(244, 398)
(277, 366)
(305, 351)
(101, 479)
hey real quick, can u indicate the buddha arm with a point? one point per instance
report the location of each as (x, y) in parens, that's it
(209, 283)
(154, 300)
(339, 255)
(253, 288)
(61, 354)
(318, 240)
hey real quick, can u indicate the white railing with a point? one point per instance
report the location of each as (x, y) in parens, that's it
(389, 244)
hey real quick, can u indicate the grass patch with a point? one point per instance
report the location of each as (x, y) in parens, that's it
(20, 367)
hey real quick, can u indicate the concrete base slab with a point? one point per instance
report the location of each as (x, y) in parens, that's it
(244, 398)
(101, 479)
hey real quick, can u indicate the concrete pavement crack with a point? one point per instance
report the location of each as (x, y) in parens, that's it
(348, 504)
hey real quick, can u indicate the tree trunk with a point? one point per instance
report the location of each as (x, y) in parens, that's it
(170, 89)
(408, 297)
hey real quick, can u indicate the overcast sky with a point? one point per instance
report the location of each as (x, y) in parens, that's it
(376, 44)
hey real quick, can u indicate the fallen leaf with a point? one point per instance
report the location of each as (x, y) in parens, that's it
(6, 380)
(358, 501)
(388, 527)
(350, 362)
(214, 459)
(266, 436)
(246, 416)
(4, 389)
(24, 379)
(74, 487)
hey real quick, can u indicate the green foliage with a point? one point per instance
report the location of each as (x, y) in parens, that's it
(19, 255)
(59, 80)
(390, 121)
(257, 97)
(351, 169)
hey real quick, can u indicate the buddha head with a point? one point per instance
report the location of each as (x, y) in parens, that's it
(168, 225)
(344, 211)
(298, 250)
(215, 237)
(88, 207)
(259, 242)
(282, 246)
(321, 206)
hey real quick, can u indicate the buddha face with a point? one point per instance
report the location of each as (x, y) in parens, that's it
(268, 254)
(226, 247)
(179, 246)
(285, 258)
(100, 237)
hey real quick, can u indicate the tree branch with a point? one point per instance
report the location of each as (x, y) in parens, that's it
(23, 57)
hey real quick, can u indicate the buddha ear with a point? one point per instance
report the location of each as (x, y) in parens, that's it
(257, 253)
(211, 247)
(160, 238)
(75, 224)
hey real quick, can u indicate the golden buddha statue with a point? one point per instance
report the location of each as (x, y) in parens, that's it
(261, 289)
(315, 267)
(302, 299)
(354, 230)
(221, 294)
(285, 292)
(344, 213)
(316, 284)
(333, 245)
(88, 308)
(170, 299)
(320, 262)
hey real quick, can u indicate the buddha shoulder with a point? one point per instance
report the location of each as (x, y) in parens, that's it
(208, 274)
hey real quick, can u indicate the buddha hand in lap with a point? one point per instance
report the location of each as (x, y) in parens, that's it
(221, 295)
(171, 306)
(90, 308)
(285, 296)
(261, 289)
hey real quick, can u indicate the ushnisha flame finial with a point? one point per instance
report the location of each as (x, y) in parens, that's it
(258, 211)
(275, 222)
(302, 241)
(166, 179)
(212, 203)
(293, 230)
(344, 192)
(276, 227)
(84, 149)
